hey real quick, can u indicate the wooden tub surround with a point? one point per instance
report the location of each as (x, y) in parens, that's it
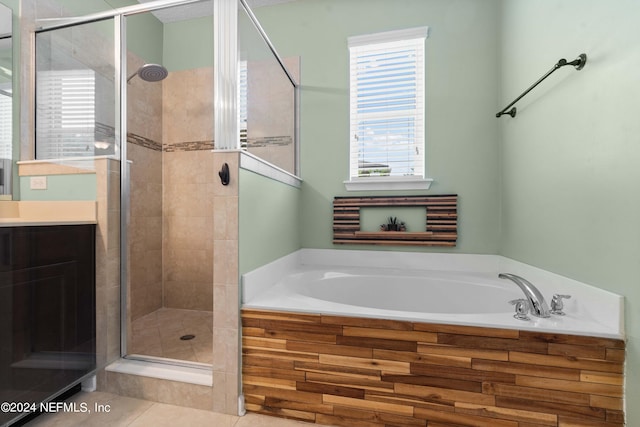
(361, 372)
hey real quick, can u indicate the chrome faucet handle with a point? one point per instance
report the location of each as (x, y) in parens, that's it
(522, 308)
(557, 305)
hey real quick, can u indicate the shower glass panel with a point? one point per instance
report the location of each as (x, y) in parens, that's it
(6, 102)
(267, 99)
(75, 91)
(169, 313)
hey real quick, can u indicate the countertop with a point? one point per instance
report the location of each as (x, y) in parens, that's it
(36, 213)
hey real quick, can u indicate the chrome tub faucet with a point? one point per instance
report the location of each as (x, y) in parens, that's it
(538, 305)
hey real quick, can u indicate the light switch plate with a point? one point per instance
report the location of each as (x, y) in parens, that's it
(38, 183)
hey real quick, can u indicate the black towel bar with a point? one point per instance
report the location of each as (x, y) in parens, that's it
(578, 63)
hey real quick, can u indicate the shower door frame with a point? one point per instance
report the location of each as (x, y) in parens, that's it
(226, 33)
(120, 64)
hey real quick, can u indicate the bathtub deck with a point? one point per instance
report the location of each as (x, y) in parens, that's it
(349, 371)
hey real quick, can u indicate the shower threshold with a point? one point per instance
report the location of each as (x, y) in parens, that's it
(192, 373)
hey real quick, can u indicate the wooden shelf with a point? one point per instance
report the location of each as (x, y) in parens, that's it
(393, 235)
(441, 221)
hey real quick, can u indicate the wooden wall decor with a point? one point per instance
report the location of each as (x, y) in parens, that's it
(441, 221)
(349, 371)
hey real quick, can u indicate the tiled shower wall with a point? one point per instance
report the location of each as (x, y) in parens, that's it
(187, 168)
(170, 139)
(144, 150)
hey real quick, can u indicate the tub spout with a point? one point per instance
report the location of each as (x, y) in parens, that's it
(539, 307)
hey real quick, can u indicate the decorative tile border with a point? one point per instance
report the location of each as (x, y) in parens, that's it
(269, 141)
(189, 146)
(141, 141)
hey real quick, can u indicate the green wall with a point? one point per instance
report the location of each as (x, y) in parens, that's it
(554, 187)
(570, 157)
(61, 187)
(462, 66)
(188, 44)
(269, 221)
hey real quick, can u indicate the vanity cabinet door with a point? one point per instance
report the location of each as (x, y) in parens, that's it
(47, 309)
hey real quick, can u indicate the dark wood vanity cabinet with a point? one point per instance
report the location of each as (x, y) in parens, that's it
(47, 310)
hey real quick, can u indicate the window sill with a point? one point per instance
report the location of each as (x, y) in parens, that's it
(386, 183)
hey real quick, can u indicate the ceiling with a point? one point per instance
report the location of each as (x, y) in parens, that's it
(204, 8)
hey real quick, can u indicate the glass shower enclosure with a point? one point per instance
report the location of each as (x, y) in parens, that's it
(137, 85)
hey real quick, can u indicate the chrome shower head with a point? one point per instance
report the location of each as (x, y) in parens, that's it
(150, 73)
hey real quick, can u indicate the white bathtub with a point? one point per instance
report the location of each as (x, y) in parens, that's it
(426, 287)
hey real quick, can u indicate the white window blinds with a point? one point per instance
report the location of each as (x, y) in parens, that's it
(387, 104)
(243, 103)
(6, 121)
(66, 113)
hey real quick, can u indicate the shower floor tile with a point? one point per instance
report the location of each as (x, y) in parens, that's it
(158, 334)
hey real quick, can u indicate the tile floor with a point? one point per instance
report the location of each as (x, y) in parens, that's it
(129, 412)
(158, 334)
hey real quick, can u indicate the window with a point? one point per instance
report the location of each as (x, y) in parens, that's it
(6, 120)
(387, 88)
(66, 113)
(242, 105)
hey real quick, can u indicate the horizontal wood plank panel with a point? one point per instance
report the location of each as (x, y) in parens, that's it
(470, 353)
(269, 372)
(571, 386)
(578, 422)
(316, 408)
(332, 389)
(338, 379)
(387, 419)
(341, 350)
(602, 377)
(467, 330)
(269, 382)
(384, 373)
(306, 327)
(462, 373)
(525, 369)
(492, 343)
(372, 343)
(301, 336)
(566, 362)
(536, 394)
(358, 362)
(435, 381)
(347, 371)
(261, 315)
(435, 359)
(615, 355)
(293, 395)
(351, 331)
(278, 354)
(557, 408)
(258, 342)
(391, 408)
(572, 339)
(606, 402)
(396, 325)
(541, 418)
(590, 352)
(414, 401)
(436, 393)
(267, 362)
(458, 419)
